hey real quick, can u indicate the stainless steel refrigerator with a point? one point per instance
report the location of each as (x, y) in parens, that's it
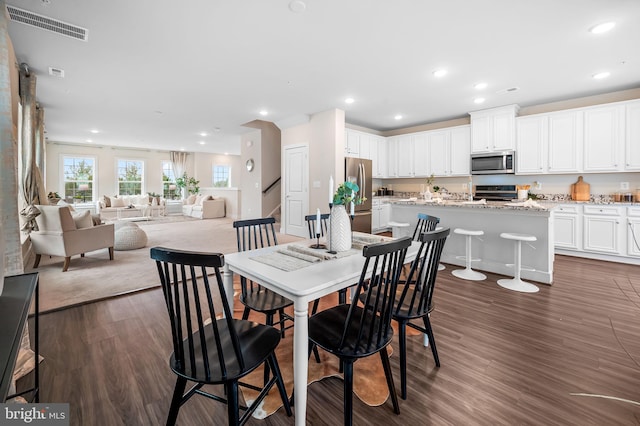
(358, 170)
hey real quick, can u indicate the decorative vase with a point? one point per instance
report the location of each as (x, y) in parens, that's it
(340, 229)
(427, 194)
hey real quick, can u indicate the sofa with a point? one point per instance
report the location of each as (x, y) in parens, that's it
(203, 207)
(107, 206)
(61, 233)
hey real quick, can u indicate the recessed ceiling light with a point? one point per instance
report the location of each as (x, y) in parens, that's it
(398, 117)
(440, 73)
(602, 28)
(480, 86)
(478, 100)
(181, 149)
(264, 112)
(601, 75)
(203, 134)
(94, 131)
(89, 140)
(297, 6)
(201, 142)
(349, 101)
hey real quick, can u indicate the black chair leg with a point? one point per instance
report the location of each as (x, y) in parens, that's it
(387, 372)
(176, 401)
(402, 338)
(348, 392)
(266, 365)
(432, 340)
(232, 402)
(245, 313)
(283, 392)
(282, 319)
(314, 309)
(342, 296)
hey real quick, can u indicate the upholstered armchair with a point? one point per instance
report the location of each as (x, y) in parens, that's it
(61, 234)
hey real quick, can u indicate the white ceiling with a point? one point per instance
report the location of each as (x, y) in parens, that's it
(154, 74)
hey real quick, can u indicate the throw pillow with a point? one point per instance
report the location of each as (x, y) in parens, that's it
(205, 198)
(64, 203)
(117, 202)
(191, 199)
(198, 200)
(83, 219)
(95, 218)
(107, 201)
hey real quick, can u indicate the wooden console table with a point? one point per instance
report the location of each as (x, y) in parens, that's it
(15, 300)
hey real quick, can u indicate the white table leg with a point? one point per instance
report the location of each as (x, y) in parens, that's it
(227, 276)
(300, 360)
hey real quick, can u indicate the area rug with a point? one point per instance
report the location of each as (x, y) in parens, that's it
(94, 277)
(369, 382)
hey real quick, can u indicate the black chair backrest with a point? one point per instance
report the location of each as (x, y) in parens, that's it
(311, 224)
(425, 223)
(415, 298)
(255, 233)
(365, 329)
(190, 303)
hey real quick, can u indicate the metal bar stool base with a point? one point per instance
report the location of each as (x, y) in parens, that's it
(469, 274)
(518, 285)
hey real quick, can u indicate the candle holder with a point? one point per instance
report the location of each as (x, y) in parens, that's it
(352, 216)
(317, 245)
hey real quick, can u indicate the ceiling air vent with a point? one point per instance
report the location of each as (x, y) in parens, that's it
(56, 72)
(45, 23)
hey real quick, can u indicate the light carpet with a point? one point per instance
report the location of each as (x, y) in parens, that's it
(94, 277)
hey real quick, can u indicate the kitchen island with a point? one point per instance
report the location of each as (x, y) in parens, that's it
(493, 254)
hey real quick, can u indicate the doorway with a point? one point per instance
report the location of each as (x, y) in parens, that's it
(296, 189)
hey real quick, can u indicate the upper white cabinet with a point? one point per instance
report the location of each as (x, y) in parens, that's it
(392, 157)
(421, 146)
(450, 151)
(632, 136)
(565, 142)
(405, 156)
(380, 162)
(532, 139)
(440, 153)
(493, 129)
(351, 143)
(602, 138)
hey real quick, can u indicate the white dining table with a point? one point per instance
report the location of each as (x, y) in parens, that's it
(301, 286)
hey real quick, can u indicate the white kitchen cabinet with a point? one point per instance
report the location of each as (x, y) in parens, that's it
(351, 143)
(603, 229)
(632, 136)
(440, 152)
(380, 162)
(565, 142)
(385, 215)
(421, 155)
(566, 227)
(602, 139)
(633, 231)
(375, 215)
(392, 157)
(460, 151)
(493, 130)
(365, 146)
(405, 156)
(380, 215)
(532, 140)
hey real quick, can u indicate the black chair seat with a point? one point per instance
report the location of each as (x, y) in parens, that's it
(256, 343)
(265, 301)
(326, 328)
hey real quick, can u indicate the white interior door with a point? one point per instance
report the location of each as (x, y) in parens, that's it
(296, 192)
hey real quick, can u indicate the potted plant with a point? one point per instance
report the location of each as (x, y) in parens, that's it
(190, 184)
(340, 224)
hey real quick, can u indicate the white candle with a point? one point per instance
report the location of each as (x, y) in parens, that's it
(318, 222)
(331, 189)
(353, 204)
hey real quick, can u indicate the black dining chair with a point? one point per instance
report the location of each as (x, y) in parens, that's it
(425, 223)
(415, 297)
(208, 348)
(311, 224)
(254, 234)
(351, 331)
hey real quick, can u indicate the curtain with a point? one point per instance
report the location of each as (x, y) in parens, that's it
(9, 217)
(179, 165)
(30, 190)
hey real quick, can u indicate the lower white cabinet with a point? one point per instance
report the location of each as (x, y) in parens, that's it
(567, 229)
(380, 215)
(603, 230)
(633, 231)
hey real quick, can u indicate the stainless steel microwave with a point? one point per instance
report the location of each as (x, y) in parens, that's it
(493, 163)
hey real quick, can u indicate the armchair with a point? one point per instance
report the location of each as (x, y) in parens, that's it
(58, 235)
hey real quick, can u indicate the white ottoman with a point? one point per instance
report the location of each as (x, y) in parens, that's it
(129, 237)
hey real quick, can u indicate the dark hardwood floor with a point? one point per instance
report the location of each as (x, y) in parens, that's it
(568, 355)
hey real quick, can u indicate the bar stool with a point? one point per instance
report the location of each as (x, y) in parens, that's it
(399, 229)
(515, 283)
(468, 273)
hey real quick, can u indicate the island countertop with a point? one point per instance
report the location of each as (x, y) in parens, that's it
(490, 252)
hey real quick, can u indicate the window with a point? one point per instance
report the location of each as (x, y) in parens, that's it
(221, 176)
(168, 181)
(78, 173)
(130, 174)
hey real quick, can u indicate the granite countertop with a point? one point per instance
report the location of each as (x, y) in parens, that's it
(473, 204)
